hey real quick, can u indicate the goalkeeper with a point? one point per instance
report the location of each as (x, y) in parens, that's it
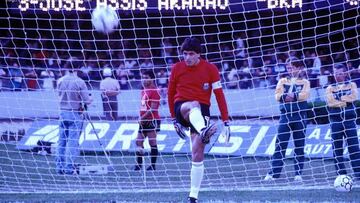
(340, 99)
(149, 122)
(190, 86)
(72, 93)
(292, 93)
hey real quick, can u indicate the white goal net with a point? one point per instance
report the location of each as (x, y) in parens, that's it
(249, 41)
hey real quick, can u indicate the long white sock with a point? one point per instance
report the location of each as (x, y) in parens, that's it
(197, 173)
(196, 119)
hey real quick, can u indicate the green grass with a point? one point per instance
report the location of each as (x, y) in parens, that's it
(25, 176)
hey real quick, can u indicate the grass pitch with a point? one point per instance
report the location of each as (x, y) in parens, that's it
(29, 177)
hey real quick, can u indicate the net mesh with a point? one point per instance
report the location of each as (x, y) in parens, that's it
(249, 42)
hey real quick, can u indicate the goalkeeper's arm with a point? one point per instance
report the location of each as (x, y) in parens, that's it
(171, 93)
(220, 98)
(171, 97)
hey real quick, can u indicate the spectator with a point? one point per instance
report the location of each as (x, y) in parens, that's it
(212, 46)
(2, 75)
(280, 69)
(292, 53)
(315, 72)
(132, 66)
(225, 66)
(245, 75)
(270, 75)
(250, 61)
(350, 68)
(123, 75)
(258, 77)
(233, 82)
(48, 78)
(167, 51)
(31, 78)
(92, 70)
(340, 56)
(53, 59)
(308, 59)
(38, 55)
(146, 64)
(110, 89)
(240, 46)
(167, 48)
(316, 67)
(226, 52)
(85, 72)
(162, 78)
(121, 71)
(270, 56)
(16, 77)
(124, 83)
(54, 65)
(144, 51)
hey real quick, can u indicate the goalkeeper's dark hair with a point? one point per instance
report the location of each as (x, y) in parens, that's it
(295, 61)
(191, 44)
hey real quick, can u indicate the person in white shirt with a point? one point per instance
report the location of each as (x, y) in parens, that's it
(240, 46)
(110, 89)
(316, 69)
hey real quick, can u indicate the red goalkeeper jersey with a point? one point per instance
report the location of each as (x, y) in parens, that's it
(196, 84)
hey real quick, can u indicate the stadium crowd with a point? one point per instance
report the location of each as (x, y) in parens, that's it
(37, 64)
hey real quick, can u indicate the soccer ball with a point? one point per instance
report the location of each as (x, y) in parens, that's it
(104, 19)
(343, 183)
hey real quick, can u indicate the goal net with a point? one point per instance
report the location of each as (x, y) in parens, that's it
(249, 41)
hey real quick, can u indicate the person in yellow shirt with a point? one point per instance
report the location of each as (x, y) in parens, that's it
(292, 93)
(340, 100)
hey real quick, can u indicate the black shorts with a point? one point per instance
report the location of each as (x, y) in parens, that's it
(205, 111)
(150, 126)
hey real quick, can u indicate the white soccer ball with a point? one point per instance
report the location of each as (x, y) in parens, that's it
(343, 183)
(104, 19)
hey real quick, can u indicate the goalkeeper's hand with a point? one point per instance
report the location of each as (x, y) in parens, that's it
(225, 133)
(180, 130)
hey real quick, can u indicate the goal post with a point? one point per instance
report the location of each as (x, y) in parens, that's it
(249, 41)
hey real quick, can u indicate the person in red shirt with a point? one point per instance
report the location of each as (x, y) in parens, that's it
(149, 121)
(190, 86)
